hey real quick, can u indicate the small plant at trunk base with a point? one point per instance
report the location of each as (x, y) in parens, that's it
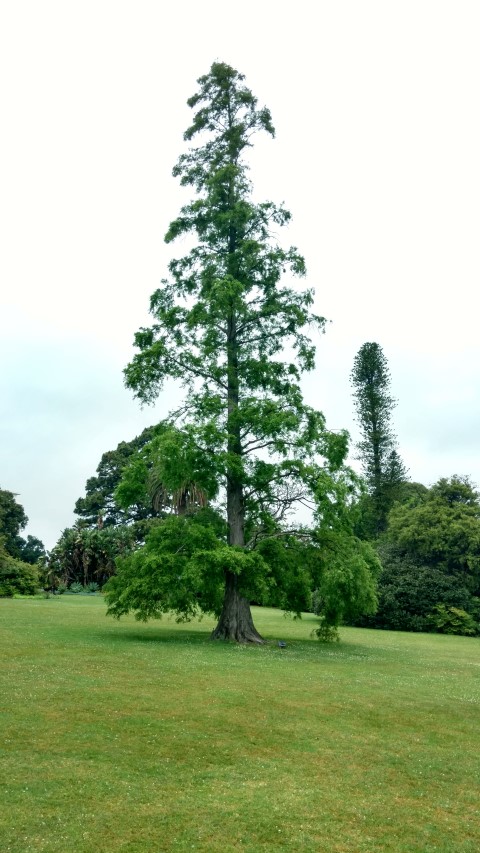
(325, 632)
(221, 326)
(92, 587)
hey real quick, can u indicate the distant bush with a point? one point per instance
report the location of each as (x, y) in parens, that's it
(76, 588)
(16, 577)
(408, 594)
(453, 620)
(92, 587)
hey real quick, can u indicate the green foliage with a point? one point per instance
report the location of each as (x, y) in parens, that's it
(443, 532)
(92, 586)
(430, 556)
(346, 569)
(384, 471)
(290, 562)
(223, 319)
(16, 577)
(408, 593)
(76, 588)
(328, 569)
(412, 494)
(179, 569)
(453, 620)
(346, 577)
(457, 490)
(31, 549)
(83, 556)
(170, 472)
(99, 505)
(12, 521)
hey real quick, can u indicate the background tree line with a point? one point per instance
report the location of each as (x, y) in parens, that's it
(19, 557)
(428, 542)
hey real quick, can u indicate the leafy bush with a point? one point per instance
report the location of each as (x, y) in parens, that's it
(16, 576)
(92, 587)
(453, 620)
(76, 588)
(443, 532)
(408, 594)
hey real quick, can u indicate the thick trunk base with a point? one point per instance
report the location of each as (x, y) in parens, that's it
(235, 621)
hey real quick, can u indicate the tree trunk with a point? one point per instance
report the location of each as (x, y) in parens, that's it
(235, 621)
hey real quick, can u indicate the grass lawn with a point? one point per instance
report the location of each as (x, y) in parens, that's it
(133, 738)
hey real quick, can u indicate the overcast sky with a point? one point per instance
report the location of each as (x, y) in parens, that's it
(376, 108)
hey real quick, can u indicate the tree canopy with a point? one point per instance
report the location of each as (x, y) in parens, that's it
(99, 506)
(13, 519)
(17, 555)
(443, 531)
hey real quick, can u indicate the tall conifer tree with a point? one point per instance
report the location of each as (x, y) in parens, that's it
(221, 324)
(382, 466)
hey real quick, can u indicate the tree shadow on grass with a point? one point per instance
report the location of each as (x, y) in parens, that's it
(167, 631)
(307, 646)
(154, 634)
(164, 634)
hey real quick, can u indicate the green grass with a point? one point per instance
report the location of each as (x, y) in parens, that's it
(119, 736)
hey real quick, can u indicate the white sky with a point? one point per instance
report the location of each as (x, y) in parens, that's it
(376, 107)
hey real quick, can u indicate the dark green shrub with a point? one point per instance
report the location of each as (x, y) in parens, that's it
(76, 588)
(408, 594)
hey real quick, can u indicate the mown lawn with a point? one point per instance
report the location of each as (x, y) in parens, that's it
(133, 738)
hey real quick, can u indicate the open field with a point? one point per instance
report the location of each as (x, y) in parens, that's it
(120, 736)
